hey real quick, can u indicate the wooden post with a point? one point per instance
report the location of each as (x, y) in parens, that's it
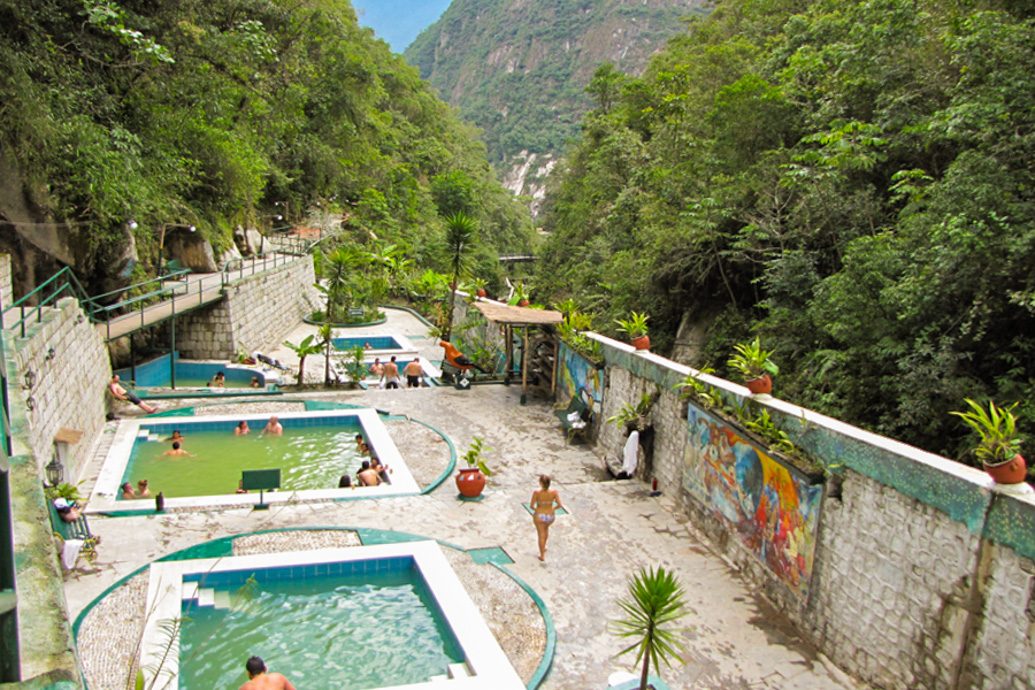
(524, 367)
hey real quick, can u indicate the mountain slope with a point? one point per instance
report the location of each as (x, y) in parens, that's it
(518, 69)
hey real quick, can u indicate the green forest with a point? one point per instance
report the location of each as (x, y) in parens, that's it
(134, 114)
(850, 181)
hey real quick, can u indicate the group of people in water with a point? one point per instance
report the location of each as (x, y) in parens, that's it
(389, 373)
(372, 472)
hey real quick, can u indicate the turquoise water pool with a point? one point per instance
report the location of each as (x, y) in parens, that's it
(369, 342)
(360, 624)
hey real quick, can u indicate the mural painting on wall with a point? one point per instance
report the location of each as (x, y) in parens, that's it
(579, 377)
(774, 512)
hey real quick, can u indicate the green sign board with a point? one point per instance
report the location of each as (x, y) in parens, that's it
(258, 480)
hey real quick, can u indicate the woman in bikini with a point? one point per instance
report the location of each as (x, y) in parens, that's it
(545, 503)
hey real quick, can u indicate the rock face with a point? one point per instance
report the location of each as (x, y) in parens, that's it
(191, 249)
(518, 69)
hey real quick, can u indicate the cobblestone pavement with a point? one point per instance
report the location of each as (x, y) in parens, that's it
(733, 638)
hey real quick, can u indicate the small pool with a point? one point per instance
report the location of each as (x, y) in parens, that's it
(373, 342)
(195, 374)
(315, 449)
(364, 617)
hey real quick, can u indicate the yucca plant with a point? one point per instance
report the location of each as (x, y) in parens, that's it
(655, 602)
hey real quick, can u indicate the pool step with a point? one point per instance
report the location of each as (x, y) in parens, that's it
(459, 671)
(206, 596)
(222, 599)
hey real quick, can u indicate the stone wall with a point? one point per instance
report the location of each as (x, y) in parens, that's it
(922, 571)
(59, 374)
(6, 289)
(258, 313)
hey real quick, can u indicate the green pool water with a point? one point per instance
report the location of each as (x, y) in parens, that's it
(310, 458)
(333, 632)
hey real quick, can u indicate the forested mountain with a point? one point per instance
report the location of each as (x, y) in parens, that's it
(119, 117)
(518, 69)
(852, 181)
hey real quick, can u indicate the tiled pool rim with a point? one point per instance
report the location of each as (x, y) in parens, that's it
(104, 498)
(489, 665)
(224, 545)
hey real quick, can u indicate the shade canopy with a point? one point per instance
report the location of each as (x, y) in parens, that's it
(518, 316)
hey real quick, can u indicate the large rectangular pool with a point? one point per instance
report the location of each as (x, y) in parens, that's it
(363, 618)
(315, 449)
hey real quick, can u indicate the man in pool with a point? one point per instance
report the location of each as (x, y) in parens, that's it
(176, 450)
(367, 476)
(273, 428)
(260, 679)
(116, 389)
(414, 373)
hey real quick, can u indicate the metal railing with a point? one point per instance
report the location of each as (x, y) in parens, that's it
(260, 263)
(62, 283)
(185, 292)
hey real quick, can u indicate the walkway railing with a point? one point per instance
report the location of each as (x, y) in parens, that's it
(61, 284)
(185, 293)
(258, 264)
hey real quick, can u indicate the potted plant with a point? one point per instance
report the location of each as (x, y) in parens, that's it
(479, 285)
(999, 450)
(520, 295)
(655, 600)
(756, 365)
(471, 479)
(634, 418)
(636, 328)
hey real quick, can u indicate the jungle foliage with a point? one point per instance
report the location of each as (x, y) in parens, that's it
(853, 181)
(229, 112)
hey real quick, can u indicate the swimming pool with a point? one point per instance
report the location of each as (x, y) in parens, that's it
(211, 478)
(363, 617)
(195, 374)
(373, 342)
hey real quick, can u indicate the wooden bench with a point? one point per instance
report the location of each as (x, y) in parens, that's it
(79, 529)
(576, 417)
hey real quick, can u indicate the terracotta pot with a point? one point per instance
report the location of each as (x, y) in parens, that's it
(760, 386)
(641, 343)
(482, 292)
(1013, 471)
(470, 482)
(524, 303)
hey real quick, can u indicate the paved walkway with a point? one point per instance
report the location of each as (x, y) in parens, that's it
(733, 638)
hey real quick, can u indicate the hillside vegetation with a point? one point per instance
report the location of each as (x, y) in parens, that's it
(224, 113)
(517, 69)
(852, 181)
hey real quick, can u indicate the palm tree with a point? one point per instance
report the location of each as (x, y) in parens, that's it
(460, 229)
(304, 349)
(655, 600)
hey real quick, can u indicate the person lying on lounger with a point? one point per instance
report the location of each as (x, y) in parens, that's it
(116, 389)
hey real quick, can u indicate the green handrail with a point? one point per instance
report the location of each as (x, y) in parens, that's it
(68, 283)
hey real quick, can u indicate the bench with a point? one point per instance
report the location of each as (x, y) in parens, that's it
(576, 418)
(80, 529)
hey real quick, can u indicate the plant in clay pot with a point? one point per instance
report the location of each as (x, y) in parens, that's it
(636, 328)
(471, 479)
(478, 286)
(999, 449)
(520, 297)
(756, 365)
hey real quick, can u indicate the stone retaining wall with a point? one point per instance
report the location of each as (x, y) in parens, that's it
(6, 289)
(258, 313)
(59, 374)
(919, 571)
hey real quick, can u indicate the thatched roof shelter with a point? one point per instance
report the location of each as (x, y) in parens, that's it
(518, 316)
(545, 346)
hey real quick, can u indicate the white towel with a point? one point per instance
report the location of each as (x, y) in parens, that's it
(632, 445)
(70, 553)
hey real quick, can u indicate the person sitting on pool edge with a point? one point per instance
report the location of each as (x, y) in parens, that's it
(116, 389)
(260, 679)
(273, 427)
(367, 476)
(176, 450)
(242, 428)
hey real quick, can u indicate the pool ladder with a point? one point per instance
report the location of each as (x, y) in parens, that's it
(461, 670)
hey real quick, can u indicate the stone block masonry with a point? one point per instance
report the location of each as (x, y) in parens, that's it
(258, 313)
(6, 290)
(922, 571)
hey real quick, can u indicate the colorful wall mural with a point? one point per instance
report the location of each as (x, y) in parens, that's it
(577, 376)
(774, 510)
